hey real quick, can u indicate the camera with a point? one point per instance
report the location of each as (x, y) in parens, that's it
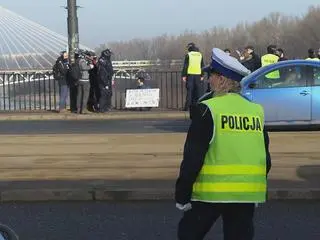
(85, 54)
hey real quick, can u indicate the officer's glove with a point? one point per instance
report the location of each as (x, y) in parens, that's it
(106, 87)
(185, 207)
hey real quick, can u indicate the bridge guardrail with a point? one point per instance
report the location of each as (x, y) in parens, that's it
(117, 65)
(33, 91)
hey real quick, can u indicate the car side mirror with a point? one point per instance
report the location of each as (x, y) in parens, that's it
(7, 233)
(252, 85)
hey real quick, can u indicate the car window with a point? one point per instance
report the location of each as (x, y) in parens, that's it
(292, 76)
(315, 70)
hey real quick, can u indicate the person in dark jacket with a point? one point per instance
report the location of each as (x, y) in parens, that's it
(312, 55)
(105, 75)
(63, 68)
(281, 54)
(142, 85)
(251, 60)
(93, 102)
(227, 51)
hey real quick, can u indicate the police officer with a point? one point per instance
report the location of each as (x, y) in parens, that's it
(271, 58)
(226, 158)
(192, 75)
(312, 55)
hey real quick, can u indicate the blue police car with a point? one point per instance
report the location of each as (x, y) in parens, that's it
(289, 91)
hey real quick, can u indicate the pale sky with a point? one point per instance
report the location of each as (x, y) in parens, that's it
(101, 21)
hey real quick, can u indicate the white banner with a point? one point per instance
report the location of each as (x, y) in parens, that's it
(142, 98)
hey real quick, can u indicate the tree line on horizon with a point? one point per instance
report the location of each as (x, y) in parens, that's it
(295, 35)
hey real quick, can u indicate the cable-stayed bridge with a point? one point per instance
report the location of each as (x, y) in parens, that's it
(26, 45)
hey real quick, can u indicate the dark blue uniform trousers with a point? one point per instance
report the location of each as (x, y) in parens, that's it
(105, 98)
(194, 90)
(237, 220)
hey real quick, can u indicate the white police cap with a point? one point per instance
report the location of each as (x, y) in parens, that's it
(226, 65)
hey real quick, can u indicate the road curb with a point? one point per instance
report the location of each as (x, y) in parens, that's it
(294, 194)
(35, 195)
(93, 116)
(40, 195)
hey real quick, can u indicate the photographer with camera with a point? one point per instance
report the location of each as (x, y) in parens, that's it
(93, 102)
(83, 65)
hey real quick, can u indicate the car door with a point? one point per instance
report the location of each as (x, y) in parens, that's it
(285, 99)
(315, 106)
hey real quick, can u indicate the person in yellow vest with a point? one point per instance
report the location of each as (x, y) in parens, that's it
(312, 55)
(270, 58)
(226, 158)
(192, 75)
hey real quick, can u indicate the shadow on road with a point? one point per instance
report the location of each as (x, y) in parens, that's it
(301, 128)
(311, 174)
(308, 187)
(178, 126)
(121, 189)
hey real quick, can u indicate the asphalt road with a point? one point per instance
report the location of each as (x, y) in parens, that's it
(93, 126)
(147, 221)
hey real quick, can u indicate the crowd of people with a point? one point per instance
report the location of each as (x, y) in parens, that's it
(88, 81)
(252, 61)
(193, 74)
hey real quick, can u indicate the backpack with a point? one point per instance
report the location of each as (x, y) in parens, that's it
(56, 71)
(75, 71)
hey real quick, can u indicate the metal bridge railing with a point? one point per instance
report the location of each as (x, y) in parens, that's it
(145, 63)
(117, 65)
(32, 91)
(28, 91)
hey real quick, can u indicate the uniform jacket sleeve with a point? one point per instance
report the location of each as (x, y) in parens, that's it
(185, 66)
(202, 66)
(195, 149)
(268, 156)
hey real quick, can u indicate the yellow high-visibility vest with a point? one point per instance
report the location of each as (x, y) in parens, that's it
(195, 59)
(269, 59)
(313, 59)
(234, 168)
